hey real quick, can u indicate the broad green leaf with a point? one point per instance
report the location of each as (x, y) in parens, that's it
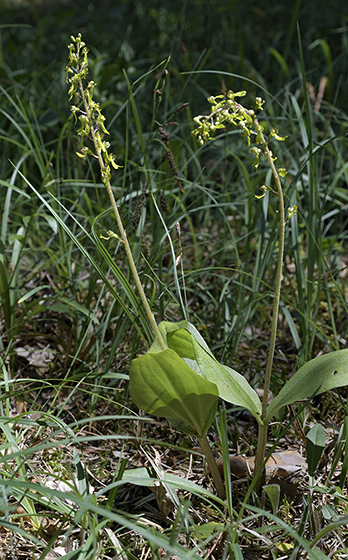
(317, 376)
(329, 512)
(315, 443)
(164, 385)
(167, 327)
(232, 386)
(235, 389)
(186, 341)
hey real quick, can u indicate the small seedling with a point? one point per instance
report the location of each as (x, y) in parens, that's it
(273, 493)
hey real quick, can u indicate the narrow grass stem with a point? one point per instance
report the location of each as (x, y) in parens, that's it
(121, 228)
(262, 439)
(215, 473)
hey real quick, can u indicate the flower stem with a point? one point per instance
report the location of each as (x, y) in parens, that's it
(262, 439)
(122, 231)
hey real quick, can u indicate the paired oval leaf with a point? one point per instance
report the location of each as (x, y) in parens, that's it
(164, 385)
(233, 387)
(168, 328)
(317, 376)
(321, 374)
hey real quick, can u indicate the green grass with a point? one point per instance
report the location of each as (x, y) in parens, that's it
(65, 290)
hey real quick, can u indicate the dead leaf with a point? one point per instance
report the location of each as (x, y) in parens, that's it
(40, 358)
(261, 393)
(280, 464)
(284, 463)
(164, 501)
(59, 551)
(116, 543)
(238, 466)
(21, 406)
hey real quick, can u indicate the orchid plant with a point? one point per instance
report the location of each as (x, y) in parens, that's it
(178, 377)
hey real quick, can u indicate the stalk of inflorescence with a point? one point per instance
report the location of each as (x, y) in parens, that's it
(226, 110)
(92, 127)
(263, 427)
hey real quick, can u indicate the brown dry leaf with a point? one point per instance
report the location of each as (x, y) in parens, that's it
(60, 551)
(40, 358)
(116, 543)
(34, 415)
(21, 407)
(164, 501)
(51, 555)
(284, 463)
(280, 464)
(238, 465)
(261, 393)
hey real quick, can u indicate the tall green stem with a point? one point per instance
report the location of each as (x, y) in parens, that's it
(225, 109)
(120, 226)
(262, 439)
(215, 473)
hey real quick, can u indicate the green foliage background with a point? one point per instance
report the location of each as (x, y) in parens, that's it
(207, 47)
(239, 37)
(66, 293)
